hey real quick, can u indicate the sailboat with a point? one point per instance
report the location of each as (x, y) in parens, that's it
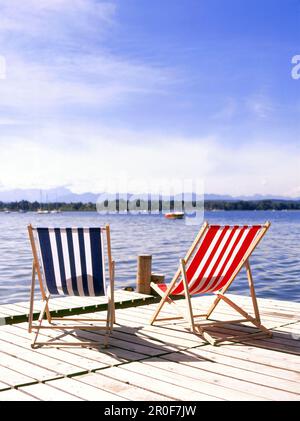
(42, 211)
(55, 210)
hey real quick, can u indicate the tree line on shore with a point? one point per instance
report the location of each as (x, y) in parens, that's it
(209, 205)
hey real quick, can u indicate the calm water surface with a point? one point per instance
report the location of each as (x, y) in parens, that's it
(275, 264)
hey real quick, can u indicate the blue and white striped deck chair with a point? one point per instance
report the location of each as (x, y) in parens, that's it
(71, 262)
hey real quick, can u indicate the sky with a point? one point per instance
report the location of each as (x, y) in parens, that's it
(92, 91)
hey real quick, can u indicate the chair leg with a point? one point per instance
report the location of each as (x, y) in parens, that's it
(112, 293)
(165, 296)
(246, 315)
(111, 314)
(263, 330)
(212, 307)
(252, 291)
(112, 317)
(206, 336)
(170, 301)
(108, 326)
(187, 296)
(256, 321)
(40, 321)
(30, 316)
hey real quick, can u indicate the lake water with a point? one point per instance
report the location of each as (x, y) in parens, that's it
(275, 264)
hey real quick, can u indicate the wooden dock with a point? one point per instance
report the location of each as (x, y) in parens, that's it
(150, 363)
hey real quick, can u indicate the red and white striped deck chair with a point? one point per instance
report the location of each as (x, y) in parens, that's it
(210, 266)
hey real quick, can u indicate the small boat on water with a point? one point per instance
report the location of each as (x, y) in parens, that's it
(42, 211)
(174, 215)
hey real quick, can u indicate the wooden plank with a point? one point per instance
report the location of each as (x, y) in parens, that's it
(77, 362)
(179, 326)
(119, 294)
(270, 302)
(120, 388)
(16, 395)
(190, 378)
(179, 339)
(173, 334)
(80, 359)
(227, 376)
(249, 359)
(110, 356)
(12, 378)
(58, 366)
(266, 356)
(282, 343)
(3, 314)
(148, 383)
(4, 386)
(75, 305)
(292, 328)
(245, 371)
(123, 340)
(143, 349)
(128, 334)
(12, 309)
(64, 303)
(161, 332)
(246, 328)
(218, 316)
(29, 369)
(83, 390)
(206, 300)
(268, 313)
(45, 392)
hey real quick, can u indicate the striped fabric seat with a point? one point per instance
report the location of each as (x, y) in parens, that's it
(217, 257)
(72, 260)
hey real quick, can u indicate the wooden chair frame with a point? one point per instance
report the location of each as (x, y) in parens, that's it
(190, 316)
(45, 311)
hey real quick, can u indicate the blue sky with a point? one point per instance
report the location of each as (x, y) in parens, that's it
(95, 90)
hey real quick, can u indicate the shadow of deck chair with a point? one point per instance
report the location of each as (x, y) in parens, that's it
(215, 258)
(71, 262)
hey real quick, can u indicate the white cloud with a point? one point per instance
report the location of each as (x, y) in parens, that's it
(86, 80)
(52, 20)
(94, 160)
(56, 57)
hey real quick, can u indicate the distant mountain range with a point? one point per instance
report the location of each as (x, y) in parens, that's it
(59, 194)
(63, 194)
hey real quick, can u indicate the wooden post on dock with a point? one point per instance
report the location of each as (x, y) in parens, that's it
(143, 277)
